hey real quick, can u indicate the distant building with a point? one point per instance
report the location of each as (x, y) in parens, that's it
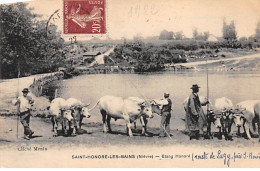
(212, 38)
(88, 56)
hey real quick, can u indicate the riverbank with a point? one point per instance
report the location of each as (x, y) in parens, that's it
(11, 88)
(239, 63)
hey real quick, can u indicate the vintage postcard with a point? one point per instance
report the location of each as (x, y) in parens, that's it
(130, 84)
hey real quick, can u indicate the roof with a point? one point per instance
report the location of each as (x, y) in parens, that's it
(91, 53)
(212, 38)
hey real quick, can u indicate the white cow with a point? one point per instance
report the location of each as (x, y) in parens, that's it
(224, 104)
(119, 108)
(223, 108)
(143, 119)
(251, 115)
(59, 113)
(229, 115)
(79, 110)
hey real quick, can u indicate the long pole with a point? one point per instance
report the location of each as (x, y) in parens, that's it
(18, 106)
(207, 84)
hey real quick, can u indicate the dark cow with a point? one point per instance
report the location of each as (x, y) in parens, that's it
(59, 113)
(79, 111)
(229, 115)
(215, 118)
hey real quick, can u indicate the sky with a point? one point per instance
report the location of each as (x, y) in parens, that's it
(128, 18)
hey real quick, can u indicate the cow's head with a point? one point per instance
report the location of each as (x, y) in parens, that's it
(85, 111)
(67, 114)
(217, 118)
(214, 116)
(146, 109)
(237, 115)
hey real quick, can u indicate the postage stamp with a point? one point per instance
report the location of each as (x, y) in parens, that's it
(84, 16)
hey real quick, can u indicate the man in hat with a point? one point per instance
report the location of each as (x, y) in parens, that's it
(25, 103)
(166, 107)
(196, 119)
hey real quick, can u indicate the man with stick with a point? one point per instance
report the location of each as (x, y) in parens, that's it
(24, 103)
(196, 119)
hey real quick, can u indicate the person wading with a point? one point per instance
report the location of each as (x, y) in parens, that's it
(166, 105)
(196, 119)
(25, 103)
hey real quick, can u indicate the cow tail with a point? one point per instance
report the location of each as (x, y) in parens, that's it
(93, 106)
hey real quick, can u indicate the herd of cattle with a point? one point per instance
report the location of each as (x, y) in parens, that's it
(223, 114)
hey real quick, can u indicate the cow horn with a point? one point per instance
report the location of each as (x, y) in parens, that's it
(243, 109)
(141, 104)
(87, 105)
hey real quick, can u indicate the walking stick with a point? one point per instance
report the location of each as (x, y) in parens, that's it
(18, 106)
(167, 133)
(207, 85)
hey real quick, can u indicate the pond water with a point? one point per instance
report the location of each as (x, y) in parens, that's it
(233, 85)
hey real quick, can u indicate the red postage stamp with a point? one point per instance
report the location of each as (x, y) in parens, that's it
(84, 16)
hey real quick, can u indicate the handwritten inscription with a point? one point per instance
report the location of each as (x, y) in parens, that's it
(142, 10)
(226, 157)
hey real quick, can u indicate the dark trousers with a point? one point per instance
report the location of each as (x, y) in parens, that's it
(194, 134)
(25, 120)
(165, 124)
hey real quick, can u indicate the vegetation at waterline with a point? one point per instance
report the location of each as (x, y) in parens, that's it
(176, 48)
(149, 57)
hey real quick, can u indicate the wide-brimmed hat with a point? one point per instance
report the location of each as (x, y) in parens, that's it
(167, 94)
(25, 90)
(194, 86)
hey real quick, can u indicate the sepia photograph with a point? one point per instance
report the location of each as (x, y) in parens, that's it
(130, 84)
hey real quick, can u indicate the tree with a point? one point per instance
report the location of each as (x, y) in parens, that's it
(200, 36)
(206, 35)
(257, 32)
(195, 34)
(179, 35)
(165, 35)
(24, 44)
(229, 31)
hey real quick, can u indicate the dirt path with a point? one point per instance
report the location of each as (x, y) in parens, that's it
(10, 87)
(92, 135)
(224, 59)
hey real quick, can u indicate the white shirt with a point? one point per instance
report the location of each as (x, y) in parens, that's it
(161, 102)
(25, 104)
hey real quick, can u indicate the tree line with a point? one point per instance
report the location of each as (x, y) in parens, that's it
(27, 46)
(229, 34)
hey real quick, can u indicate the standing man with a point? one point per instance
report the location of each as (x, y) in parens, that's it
(25, 103)
(166, 106)
(196, 119)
